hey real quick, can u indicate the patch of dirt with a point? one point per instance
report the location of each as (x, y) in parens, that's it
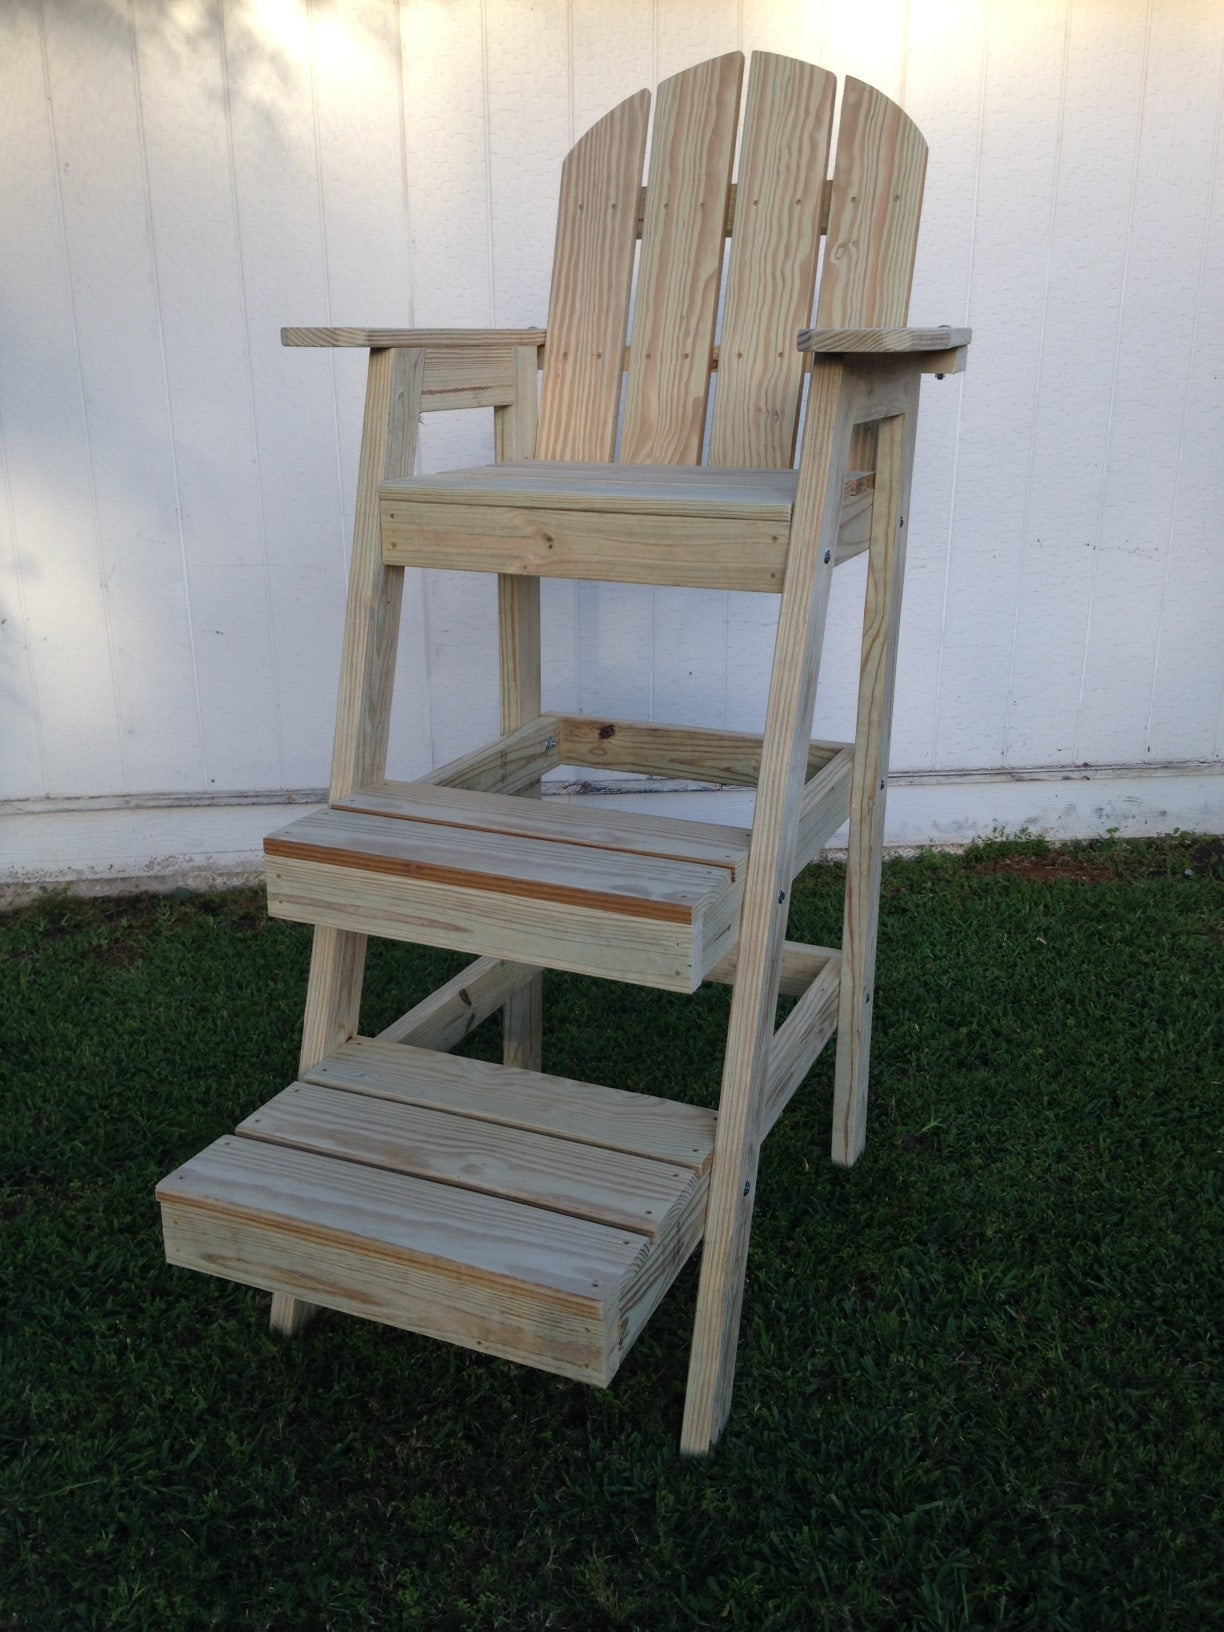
(1053, 866)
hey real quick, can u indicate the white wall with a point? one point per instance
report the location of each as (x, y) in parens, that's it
(181, 177)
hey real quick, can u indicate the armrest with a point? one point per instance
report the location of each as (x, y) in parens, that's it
(877, 341)
(931, 351)
(425, 339)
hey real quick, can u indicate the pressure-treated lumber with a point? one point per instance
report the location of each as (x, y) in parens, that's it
(531, 1216)
(832, 412)
(588, 306)
(698, 752)
(771, 263)
(518, 641)
(600, 825)
(872, 342)
(447, 1015)
(414, 339)
(511, 764)
(692, 145)
(649, 922)
(881, 622)
(610, 1118)
(608, 1187)
(660, 524)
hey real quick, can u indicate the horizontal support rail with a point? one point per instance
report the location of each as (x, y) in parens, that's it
(680, 752)
(799, 1040)
(446, 1016)
(729, 219)
(824, 807)
(800, 966)
(508, 765)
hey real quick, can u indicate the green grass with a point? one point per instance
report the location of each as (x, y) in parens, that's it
(979, 1376)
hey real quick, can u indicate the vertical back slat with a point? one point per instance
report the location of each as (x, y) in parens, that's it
(588, 307)
(873, 218)
(771, 272)
(680, 271)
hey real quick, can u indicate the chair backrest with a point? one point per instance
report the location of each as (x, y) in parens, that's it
(689, 216)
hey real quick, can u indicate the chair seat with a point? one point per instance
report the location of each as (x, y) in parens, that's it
(709, 527)
(647, 899)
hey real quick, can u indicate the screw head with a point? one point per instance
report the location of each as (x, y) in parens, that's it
(828, 555)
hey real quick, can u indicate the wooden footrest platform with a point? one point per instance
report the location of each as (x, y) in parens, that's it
(524, 1215)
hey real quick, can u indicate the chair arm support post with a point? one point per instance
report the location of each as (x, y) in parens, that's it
(881, 622)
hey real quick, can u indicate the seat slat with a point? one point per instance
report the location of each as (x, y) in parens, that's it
(771, 268)
(665, 837)
(665, 1130)
(588, 310)
(661, 490)
(404, 1217)
(609, 1187)
(676, 301)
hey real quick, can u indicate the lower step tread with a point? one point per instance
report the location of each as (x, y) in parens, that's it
(542, 1247)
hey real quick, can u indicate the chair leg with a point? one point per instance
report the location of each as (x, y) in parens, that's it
(831, 416)
(881, 619)
(333, 1004)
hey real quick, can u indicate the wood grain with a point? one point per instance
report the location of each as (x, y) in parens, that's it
(562, 1175)
(878, 178)
(771, 265)
(640, 1124)
(596, 825)
(676, 299)
(831, 416)
(588, 306)
(873, 730)
(459, 1005)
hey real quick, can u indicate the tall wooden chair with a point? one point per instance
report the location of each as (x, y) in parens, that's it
(522, 1214)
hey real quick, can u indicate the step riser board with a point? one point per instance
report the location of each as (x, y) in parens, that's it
(582, 940)
(572, 1342)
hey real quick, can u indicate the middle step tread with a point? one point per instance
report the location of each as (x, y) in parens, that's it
(506, 863)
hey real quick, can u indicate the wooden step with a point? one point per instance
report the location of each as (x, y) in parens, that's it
(527, 1216)
(538, 887)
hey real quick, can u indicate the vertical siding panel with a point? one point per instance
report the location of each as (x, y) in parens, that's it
(868, 40)
(1014, 205)
(92, 89)
(447, 143)
(1075, 396)
(191, 202)
(280, 230)
(944, 96)
(1188, 684)
(1172, 190)
(102, 187)
(38, 356)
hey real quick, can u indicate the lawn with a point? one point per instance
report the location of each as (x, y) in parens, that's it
(979, 1376)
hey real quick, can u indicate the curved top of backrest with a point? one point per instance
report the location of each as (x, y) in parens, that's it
(774, 218)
